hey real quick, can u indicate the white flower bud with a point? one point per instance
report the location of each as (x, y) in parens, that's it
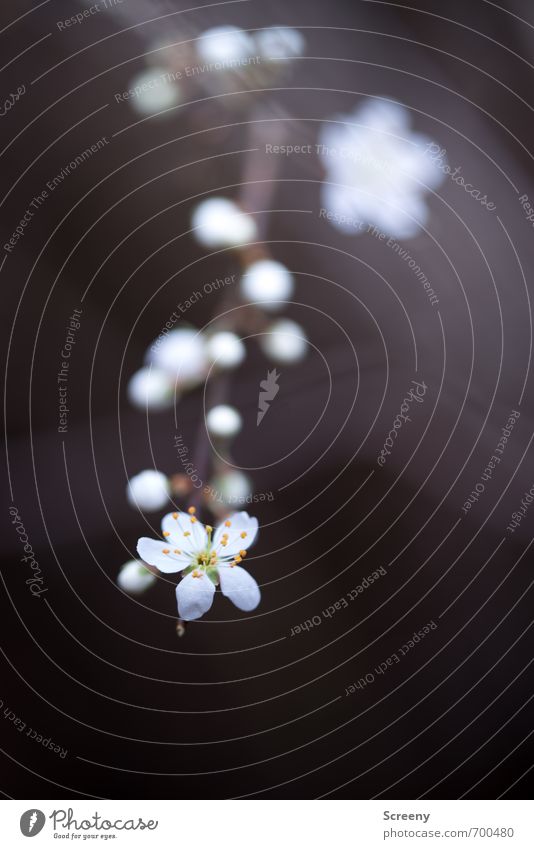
(154, 92)
(232, 486)
(223, 421)
(151, 388)
(280, 43)
(133, 578)
(220, 223)
(267, 283)
(181, 353)
(149, 490)
(284, 341)
(225, 44)
(225, 349)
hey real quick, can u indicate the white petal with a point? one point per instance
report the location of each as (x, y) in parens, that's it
(151, 551)
(239, 587)
(176, 529)
(240, 523)
(194, 596)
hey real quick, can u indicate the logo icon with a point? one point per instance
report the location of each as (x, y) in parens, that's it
(32, 822)
(268, 392)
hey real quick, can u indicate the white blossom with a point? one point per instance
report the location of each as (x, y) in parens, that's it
(223, 421)
(206, 559)
(220, 223)
(284, 341)
(134, 578)
(267, 283)
(150, 388)
(148, 490)
(153, 92)
(377, 170)
(225, 349)
(181, 353)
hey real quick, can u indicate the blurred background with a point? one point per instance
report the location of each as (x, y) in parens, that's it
(238, 706)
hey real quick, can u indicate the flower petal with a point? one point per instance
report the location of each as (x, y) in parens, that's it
(241, 529)
(239, 587)
(152, 551)
(187, 535)
(194, 595)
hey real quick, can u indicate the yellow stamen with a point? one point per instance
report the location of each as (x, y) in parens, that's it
(187, 533)
(209, 529)
(197, 574)
(192, 511)
(238, 559)
(166, 533)
(227, 524)
(243, 553)
(175, 515)
(243, 534)
(177, 551)
(193, 520)
(165, 550)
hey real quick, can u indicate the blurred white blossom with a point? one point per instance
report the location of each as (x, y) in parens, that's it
(181, 353)
(377, 172)
(134, 578)
(280, 43)
(153, 92)
(267, 283)
(284, 341)
(231, 486)
(223, 421)
(225, 44)
(225, 349)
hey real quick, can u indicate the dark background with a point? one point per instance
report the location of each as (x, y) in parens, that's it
(237, 706)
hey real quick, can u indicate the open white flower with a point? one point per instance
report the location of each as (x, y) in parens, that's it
(205, 559)
(377, 172)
